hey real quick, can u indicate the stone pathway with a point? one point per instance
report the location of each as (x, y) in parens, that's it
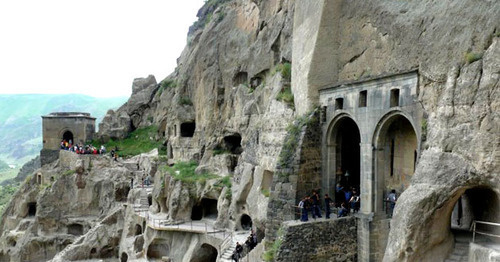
(461, 250)
(241, 237)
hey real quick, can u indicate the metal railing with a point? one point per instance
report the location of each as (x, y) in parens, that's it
(226, 243)
(474, 231)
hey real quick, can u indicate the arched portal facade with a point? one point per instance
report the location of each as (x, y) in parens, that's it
(371, 132)
(343, 156)
(395, 146)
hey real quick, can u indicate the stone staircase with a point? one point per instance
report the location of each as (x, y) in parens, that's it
(142, 204)
(461, 250)
(229, 245)
(228, 252)
(460, 253)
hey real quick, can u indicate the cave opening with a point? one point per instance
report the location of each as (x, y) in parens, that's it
(240, 78)
(124, 257)
(158, 249)
(246, 222)
(187, 129)
(31, 209)
(138, 230)
(75, 229)
(206, 253)
(150, 200)
(233, 143)
(121, 193)
(476, 204)
(207, 208)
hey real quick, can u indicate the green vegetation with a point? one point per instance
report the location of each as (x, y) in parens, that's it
(285, 69)
(167, 83)
(185, 101)
(8, 173)
(140, 141)
(6, 193)
(424, 129)
(265, 192)
(270, 253)
(471, 57)
(3, 165)
(69, 172)
(292, 139)
(184, 171)
(220, 151)
(226, 182)
(286, 95)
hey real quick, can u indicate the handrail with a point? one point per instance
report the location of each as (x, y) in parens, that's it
(227, 239)
(474, 231)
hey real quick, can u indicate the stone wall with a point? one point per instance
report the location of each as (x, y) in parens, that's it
(322, 240)
(298, 172)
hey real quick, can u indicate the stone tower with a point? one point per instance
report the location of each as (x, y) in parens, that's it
(76, 126)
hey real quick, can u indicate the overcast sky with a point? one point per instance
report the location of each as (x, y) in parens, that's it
(93, 47)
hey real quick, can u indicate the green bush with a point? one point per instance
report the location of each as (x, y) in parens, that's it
(269, 255)
(285, 69)
(286, 95)
(471, 57)
(226, 182)
(265, 192)
(292, 138)
(167, 83)
(185, 101)
(140, 141)
(69, 172)
(6, 193)
(184, 171)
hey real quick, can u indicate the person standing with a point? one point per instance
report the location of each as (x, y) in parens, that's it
(316, 203)
(328, 202)
(392, 198)
(354, 201)
(239, 249)
(303, 210)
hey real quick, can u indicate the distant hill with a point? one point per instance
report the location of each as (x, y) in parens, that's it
(21, 122)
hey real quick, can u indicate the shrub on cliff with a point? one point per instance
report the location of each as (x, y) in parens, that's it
(142, 140)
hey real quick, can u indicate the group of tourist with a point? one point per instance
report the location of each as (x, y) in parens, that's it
(250, 243)
(87, 149)
(346, 200)
(80, 149)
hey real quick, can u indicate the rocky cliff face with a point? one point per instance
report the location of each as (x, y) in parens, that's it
(221, 96)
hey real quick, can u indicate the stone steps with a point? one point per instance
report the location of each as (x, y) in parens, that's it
(460, 253)
(228, 252)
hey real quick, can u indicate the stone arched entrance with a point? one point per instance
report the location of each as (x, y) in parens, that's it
(475, 204)
(395, 157)
(206, 253)
(68, 136)
(343, 155)
(452, 230)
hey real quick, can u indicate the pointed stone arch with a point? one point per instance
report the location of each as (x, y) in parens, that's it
(396, 147)
(343, 154)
